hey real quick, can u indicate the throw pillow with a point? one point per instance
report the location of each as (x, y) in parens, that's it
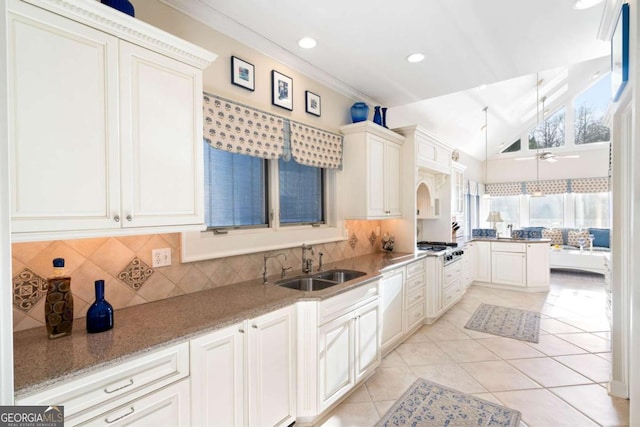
(554, 234)
(600, 237)
(573, 238)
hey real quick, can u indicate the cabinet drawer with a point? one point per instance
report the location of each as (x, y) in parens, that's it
(415, 282)
(343, 303)
(508, 247)
(416, 267)
(134, 378)
(415, 315)
(451, 292)
(452, 273)
(414, 296)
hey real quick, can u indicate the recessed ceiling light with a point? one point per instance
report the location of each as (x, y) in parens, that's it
(585, 4)
(482, 86)
(415, 57)
(307, 43)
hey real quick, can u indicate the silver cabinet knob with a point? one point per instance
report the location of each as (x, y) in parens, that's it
(129, 218)
(116, 218)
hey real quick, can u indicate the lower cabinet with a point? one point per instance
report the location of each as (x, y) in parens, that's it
(338, 348)
(391, 296)
(509, 264)
(258, 353)
(167, 406)
(149, 390)
(482, 261)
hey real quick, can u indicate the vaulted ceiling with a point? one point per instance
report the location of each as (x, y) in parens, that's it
(363, 45)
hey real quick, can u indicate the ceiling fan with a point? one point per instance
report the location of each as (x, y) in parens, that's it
(550, 157)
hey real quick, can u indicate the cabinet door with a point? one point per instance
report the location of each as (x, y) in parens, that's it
(217, 378)
(538, 265)
(391, 304)
(161, 137)
(433, 295)
(63, 138)
(367, 344)
(168, 406)
(392, 189)
(483, 261)
(509, 268)
(376, 176)
(469, 266)
(271, 368)
(336, 363)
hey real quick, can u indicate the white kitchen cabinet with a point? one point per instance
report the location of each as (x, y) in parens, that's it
(371, 166)
(434, 297)
(339, 342)
(431, 153)
(245, 374)
(130, 392)
(271, 361)
(538, 264)
(167, 406)
(392, 307)
(457, 188)
(108, 141)
(483, 261)
(414, 290)
(469, 264)
(509, 264)
(217, 382)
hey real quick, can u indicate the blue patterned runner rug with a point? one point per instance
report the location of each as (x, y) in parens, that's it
(507, 322)
(430, 404)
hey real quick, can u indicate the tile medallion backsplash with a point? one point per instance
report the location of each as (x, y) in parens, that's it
(124, 263)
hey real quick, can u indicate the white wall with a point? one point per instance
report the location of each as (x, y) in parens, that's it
(593, 162)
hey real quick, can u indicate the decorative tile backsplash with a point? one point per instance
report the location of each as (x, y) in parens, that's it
(124, 264)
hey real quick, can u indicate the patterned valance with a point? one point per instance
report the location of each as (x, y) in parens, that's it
(554, 186)
(245, 130)
(504, 189)
(242, 129)
(590, 185)
(315, 147)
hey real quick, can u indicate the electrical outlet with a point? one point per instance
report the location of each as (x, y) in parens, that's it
(161, 257)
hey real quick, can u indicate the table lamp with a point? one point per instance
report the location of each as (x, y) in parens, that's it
(494, 217)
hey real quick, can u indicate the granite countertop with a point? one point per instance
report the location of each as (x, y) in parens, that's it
(40, 362)
(508, 240)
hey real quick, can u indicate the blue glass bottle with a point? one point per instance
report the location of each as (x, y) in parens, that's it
(124, 6)
(377, 115)
(100, 314)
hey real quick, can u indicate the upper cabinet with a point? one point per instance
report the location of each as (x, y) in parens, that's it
(457, 188)
(105, 133)
(431, 153)
(372, 158)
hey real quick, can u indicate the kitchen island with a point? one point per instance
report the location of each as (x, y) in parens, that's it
(516, 264)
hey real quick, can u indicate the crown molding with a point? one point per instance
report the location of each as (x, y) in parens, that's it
(204, 13)
(125, 27)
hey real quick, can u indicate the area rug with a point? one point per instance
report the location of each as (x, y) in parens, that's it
(431, 404)
(507, 322)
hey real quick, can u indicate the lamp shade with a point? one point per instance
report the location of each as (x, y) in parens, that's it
(494, 216)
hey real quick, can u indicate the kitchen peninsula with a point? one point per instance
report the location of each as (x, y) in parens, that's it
(516, 264)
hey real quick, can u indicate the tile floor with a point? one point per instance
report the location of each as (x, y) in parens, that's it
(558, 382)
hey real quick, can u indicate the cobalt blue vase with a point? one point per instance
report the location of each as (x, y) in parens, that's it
(377, 115)
(100, 314)
(359, 112)
(124, 6)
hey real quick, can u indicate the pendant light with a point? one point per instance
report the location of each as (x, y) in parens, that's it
(486, 152)
(538, 192)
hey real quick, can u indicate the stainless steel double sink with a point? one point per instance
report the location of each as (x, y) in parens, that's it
(321, 280)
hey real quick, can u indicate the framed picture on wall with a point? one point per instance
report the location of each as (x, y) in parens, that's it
(312, 102)
(282, 90)
(242, 73)
(620, 53)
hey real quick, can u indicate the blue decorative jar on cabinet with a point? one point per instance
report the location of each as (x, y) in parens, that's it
(124, 6)
(359, 112)
(100, 314)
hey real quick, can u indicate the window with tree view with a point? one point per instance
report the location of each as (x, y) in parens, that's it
(549, 133)
(589, 109)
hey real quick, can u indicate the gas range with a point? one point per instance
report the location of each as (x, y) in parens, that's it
(447, 250)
